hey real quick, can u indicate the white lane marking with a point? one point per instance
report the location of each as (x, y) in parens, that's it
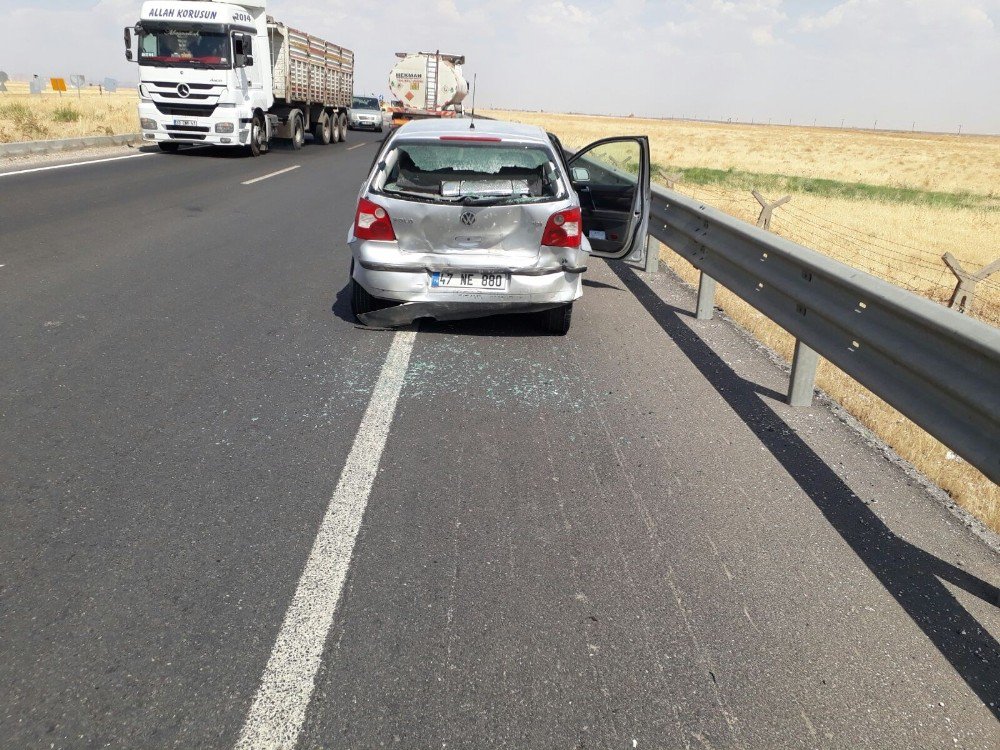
(351, 148)
(273, 174)
(279, 707)
(74, 164)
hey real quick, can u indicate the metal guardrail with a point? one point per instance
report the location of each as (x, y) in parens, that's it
(938, 367)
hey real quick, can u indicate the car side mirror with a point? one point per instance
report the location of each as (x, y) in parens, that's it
(580, 174)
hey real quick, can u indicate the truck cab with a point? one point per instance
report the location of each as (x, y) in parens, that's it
(200, 79)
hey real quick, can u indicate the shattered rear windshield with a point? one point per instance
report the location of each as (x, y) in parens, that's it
(467, 172)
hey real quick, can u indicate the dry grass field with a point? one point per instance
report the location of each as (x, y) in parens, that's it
(889, 203)
(36, 118)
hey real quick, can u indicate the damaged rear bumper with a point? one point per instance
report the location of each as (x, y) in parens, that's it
(547, 278)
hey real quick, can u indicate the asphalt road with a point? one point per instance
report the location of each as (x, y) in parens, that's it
(218, 496)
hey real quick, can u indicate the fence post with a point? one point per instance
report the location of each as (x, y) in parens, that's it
(706, 297)
(965, 290)
(767, 209)
(652, 254)
(672, 179)
(803, 378)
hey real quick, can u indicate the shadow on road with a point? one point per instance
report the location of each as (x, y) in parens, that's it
(911, 575)
(342, 305)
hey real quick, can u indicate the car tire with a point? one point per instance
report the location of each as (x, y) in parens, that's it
(168, 147)
(361, 301)
(298, 133)
(556, 320)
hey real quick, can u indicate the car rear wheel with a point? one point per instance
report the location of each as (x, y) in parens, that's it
(556, 321)
(168, 147)
(361, 301)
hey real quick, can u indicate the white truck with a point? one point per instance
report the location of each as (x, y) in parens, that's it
(226, 74)
(427, 85)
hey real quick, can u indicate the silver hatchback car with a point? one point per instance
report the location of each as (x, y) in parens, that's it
(463, 219)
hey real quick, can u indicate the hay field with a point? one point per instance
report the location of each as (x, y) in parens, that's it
(37, 118)
(896, 236)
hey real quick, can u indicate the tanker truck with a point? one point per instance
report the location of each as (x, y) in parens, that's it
(226, 74)
(427, 84)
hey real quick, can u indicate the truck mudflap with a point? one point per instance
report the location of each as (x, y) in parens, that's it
(409, 312)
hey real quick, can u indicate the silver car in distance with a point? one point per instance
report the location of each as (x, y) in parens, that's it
(463, 219)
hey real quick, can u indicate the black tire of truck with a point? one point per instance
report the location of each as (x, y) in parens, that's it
(556, 321)
(298, 133)
(322, 132)
(335, 130)
(343, 127)
(168, 147)
(258, 137)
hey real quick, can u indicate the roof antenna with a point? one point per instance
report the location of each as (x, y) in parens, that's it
(472, 125)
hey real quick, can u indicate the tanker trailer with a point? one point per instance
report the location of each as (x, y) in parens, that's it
(427, 84)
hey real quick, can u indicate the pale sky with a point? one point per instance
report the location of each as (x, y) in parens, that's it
(935, 63)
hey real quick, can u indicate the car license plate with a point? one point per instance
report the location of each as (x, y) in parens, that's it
(485, 281)
(191, 123)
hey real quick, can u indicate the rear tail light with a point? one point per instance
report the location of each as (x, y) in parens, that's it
(372, 222)
(563, 229)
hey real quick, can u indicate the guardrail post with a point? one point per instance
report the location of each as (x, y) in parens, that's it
(767, 209)
(803, 379)
(706, 297)
(652, 254)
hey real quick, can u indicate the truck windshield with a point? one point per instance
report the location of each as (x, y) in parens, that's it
(365, 102)
(182, 47)
(470, 173)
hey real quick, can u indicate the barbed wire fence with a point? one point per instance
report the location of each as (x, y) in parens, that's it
(918, 269)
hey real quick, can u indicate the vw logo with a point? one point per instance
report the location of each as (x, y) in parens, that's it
(183, 90)
(468, 218)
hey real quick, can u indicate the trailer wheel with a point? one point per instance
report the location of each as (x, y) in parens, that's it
(298, 133)
(335, 130)
(343, 127)
(258, 136)
(323, 132)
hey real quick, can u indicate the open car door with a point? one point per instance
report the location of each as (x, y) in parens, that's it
(611, 176)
